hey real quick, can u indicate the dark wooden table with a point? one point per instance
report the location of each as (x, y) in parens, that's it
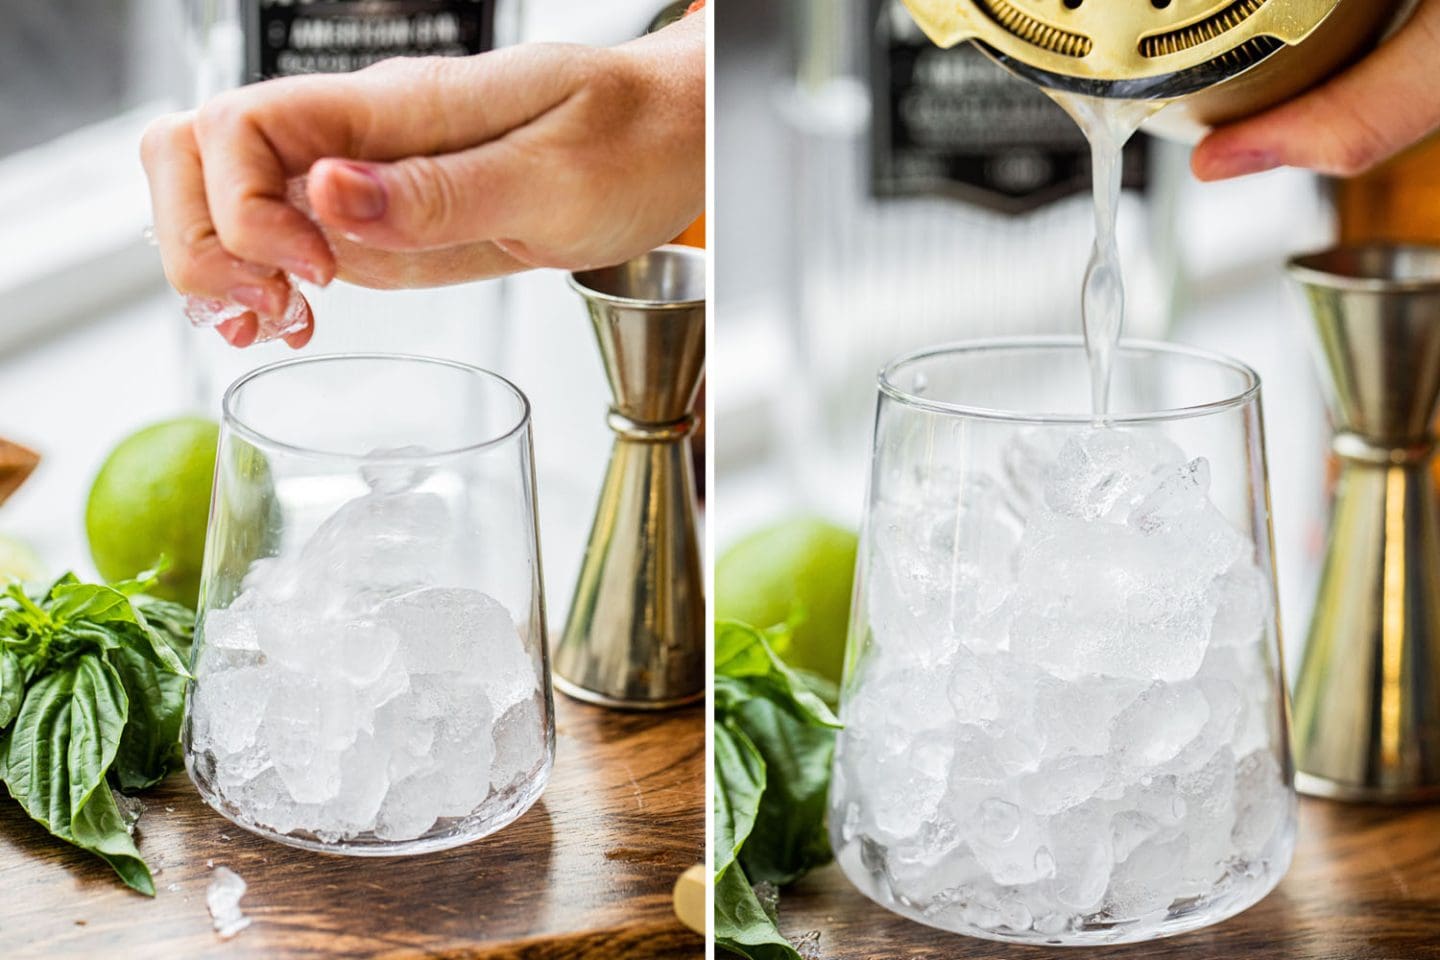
(586, 872)
(1365, 885)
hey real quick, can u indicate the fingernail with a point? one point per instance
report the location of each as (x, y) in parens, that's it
(1240, 164)
(303, 269)
(357, 192)
(256, 298)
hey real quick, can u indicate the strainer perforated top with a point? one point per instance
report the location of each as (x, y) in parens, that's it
(1124, 41)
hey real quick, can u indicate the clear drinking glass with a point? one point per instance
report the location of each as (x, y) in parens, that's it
(1065, 716)
(370, 662)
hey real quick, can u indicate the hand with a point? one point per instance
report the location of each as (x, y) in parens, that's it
(1367, 114)
(430, 171)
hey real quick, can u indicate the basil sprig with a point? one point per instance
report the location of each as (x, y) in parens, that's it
(92, 691)
(774, 740)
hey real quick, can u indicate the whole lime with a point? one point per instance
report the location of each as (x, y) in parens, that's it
(152, 499)
(802, 565)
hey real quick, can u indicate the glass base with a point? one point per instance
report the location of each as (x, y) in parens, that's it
(1241, 888)
(494, 815)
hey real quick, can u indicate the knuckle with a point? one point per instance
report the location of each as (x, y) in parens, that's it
(1356, 145)
(1353, 157)
(184, 273)
(220, 115)
(162, 135)
(435, 196)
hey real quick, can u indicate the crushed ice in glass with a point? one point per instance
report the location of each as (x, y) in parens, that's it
(222, 898)
(351, 691)
(1068, 713)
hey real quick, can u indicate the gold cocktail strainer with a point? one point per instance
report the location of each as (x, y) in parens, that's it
(1217, 59)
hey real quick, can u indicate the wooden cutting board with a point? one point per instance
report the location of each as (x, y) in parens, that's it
(1365, 885)
(586, 872)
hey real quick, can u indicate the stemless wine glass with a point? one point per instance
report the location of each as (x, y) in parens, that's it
(370, 659)
(1065, 716)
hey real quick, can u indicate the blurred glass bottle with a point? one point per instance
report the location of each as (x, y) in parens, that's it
(1398, 202)
(937, 198)
(228, 43)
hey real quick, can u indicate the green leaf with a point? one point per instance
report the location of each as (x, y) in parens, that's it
(100, 829)
(26, 609)
(97, 721)
(741, 924)
(12, 687)
(65, 579)
(143, 581)
(57, 753)
(150, 746)
(174, 620)
(744, 653)
(739, 784)
(789, 837)
(36, 750)
(94, 602)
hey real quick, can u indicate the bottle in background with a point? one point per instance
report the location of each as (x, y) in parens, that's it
(1398, 202)
(937, 198)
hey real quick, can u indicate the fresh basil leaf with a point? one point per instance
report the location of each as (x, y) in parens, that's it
(12, 687)
(94, 602)
(97, 721)
(741, 924)
(789, 837)
(55, 758)
(37, 773)
(100, 829)
(175, 620)
(742, 652)
(64, 580)
(150, 746)
(91, 635)
(143, 581)
(822, 687)
(164, 650)
(739, 785)
(33, 616)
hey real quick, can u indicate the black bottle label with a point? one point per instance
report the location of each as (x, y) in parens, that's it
(289, 37)
(953, 123)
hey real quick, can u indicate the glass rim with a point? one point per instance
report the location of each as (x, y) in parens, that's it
(237, 425)
(889, 388)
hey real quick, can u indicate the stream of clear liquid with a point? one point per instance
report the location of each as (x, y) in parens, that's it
(1108, 125)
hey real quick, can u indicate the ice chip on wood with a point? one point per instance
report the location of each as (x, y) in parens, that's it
(222, 898)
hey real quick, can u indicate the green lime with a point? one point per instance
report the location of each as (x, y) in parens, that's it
(805, 565)
(18, 560)
(152, 499)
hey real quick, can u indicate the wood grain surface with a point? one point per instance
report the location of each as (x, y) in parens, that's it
(1365, 885)
(586, 872)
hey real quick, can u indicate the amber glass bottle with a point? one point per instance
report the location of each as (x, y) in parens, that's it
(1397, 202)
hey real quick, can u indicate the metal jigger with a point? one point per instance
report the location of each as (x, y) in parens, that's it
(1367, 703)
(635, 637)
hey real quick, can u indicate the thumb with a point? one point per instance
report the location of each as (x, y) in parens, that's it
(1367, 114)
(419, 203)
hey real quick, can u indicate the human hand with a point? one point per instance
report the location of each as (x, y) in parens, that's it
(421, 172)
(1367, 114)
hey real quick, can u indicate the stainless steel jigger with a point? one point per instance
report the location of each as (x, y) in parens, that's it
(635, 636)
(1367, 702)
